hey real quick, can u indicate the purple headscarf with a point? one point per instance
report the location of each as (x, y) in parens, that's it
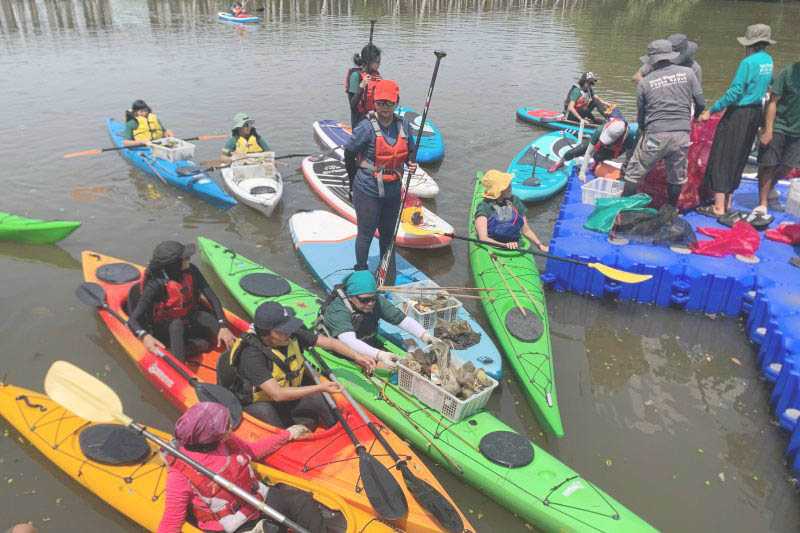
(202, 423)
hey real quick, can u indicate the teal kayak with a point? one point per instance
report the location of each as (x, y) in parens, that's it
(541, 490)
(33, 231)
(517, 312)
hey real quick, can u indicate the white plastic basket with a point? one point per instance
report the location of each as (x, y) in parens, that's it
(259, 165)
(413, 292)
(601, 188)
(793, 200)
(177, 149)
(439, 399)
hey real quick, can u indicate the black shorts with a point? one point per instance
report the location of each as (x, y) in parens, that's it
(784, 151)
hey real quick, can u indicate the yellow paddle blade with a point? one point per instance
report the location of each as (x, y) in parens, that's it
(619, 275)
(83, 394)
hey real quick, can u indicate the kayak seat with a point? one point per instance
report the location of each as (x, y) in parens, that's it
(117, 273)
(113, 444)
(266, 285)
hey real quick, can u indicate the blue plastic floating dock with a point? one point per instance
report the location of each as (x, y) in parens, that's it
(767, 292)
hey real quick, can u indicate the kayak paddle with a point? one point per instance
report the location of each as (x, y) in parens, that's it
(93, 295)
(88, 397)
(427, 496)
(383, 490)
(98, 151)
(191, 171)
(623, 276)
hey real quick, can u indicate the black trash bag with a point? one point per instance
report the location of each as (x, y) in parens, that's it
(664, 228)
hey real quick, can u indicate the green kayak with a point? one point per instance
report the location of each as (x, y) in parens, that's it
(32, 231)
(523, 336)
(542, 491)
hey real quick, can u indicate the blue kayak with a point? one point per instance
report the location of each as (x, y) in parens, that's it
(230, 17)
(326, 243)
(167, 171)
(532, 181)
(431, 147)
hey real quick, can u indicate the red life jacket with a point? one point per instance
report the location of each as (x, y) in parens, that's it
(180, 299)
(389, 159)
(367, 101)
(584, 102)
(617, 147)
(215, 508)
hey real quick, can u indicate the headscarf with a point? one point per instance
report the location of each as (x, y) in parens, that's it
(203, 423)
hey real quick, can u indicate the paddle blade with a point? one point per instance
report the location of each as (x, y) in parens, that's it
(619, 275)
(210, 392)
(432, 501)
(383, 490)
(211, 137)
(94, 151)
(91, 294)
(83, 394)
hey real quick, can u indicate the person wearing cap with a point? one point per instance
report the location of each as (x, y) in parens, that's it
(739, 125)
(204, 434)
(355, 308)
(375, 156)
(142, 125)
(500, 217)
(244, 139)
(608, 141)
(664, 100)
(360, 83)
(581, 100)
(686, 57)
(164, 307)
(779, 142)
(265, 369)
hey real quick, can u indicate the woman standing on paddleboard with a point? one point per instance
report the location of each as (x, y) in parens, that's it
(375, 156)
(361, 81)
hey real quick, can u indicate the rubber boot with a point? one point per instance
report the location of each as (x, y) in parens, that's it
(673, 193)
(630, 188)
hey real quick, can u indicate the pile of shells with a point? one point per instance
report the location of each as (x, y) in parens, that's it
(462, 382)
(457, 332)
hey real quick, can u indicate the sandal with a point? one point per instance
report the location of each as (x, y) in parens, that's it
(795, 261)
(759, 219)
(707, 211)
(731, 217)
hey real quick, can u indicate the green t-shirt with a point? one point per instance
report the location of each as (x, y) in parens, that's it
(230, 145)
(485, 208)
(338, 320)
(353, 82)
(786, 86)
(132, 124)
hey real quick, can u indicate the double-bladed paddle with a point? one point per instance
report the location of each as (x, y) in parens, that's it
(98, 151)
(383, 490)
(88, 397)
(93, 295)
(426, 495)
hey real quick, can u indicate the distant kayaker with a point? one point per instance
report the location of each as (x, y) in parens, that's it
(142, 125)
(165, 307)
(360, 83)
(244, 139)
(265, 369)
(238, 10)
(581, 100)
(608, 141)
(664, 99)
(500, 217)
(355, 308)
(737, 129)
(686, 58)
(203, 433)
(375, 156)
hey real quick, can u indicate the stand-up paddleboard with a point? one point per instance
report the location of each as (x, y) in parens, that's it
(552, 120)
(327, 244)
(230, 17)
(533, 182)
(431, 145)
(327, 177)
(333, 134)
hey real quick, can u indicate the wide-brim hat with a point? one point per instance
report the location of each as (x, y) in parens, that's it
(494, 183)
(241, 120)
(169, 252)
(756, 33)
(659, 50)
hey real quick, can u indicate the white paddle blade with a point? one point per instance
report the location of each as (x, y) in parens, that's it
(83, 394)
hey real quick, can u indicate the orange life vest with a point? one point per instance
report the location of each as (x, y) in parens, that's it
(389, 158)
(180, 299)
(213, 506)
(367, 101)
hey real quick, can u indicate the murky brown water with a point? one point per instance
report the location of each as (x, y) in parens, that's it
(662, 409)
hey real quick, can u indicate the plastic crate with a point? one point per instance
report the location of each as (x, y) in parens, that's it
(439, 399)
(179, 150)
(259, 165)
(793, 199)
(601, 188)
(413, 292)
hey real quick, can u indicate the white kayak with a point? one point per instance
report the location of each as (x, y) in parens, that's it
(333, 135)
(255, 183)
(327, 177)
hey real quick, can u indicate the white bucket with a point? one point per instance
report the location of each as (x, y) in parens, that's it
(793, 202)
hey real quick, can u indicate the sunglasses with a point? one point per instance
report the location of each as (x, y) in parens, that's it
(385, 103)
(366, 299)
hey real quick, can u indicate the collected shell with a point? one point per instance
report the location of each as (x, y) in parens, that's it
(466, 374)
(426, 359)
(413, 364)
(457, 332)
(450, 382)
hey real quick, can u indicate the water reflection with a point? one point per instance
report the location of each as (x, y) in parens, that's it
(28, 15)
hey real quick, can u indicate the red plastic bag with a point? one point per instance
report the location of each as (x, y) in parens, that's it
(655, 183)
(741, 239)
(787, 233)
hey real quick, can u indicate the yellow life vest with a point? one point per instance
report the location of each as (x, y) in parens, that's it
(148, 129)
(248, 146)
(287, 369)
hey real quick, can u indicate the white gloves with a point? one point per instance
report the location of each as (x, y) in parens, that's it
(297, 431)
(386, 358)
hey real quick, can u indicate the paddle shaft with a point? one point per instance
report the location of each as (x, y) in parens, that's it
(521, 250)
(96, 151)
(371, 31)
(193, 171)
(498, 268)
(221, 481)
(386, 259)
(336, 413)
